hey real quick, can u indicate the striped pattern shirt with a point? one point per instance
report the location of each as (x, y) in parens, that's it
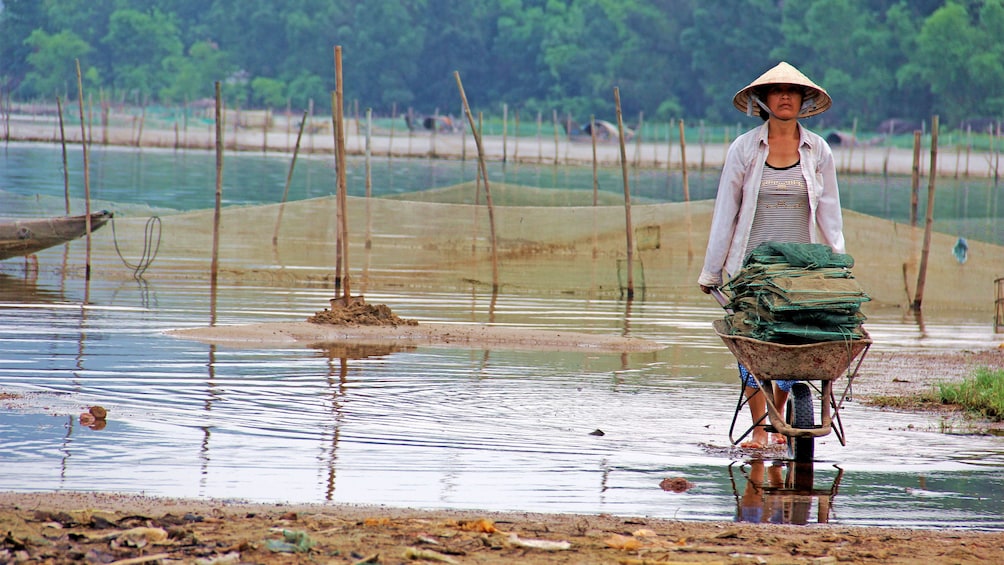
(782, 208)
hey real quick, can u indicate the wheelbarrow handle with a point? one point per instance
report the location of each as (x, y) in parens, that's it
(721, 298)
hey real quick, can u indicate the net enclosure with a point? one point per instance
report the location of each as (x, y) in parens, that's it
(796, 293)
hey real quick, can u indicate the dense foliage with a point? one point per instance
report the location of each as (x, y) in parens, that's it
(879, 59)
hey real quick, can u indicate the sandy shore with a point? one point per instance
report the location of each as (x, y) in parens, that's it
(67, 527)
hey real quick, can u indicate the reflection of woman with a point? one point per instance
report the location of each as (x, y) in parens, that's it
(755, 506)
(778, 183)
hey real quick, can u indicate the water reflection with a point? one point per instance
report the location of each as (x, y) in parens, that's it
(781, 492)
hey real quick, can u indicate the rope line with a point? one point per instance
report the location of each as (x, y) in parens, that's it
(150, 248)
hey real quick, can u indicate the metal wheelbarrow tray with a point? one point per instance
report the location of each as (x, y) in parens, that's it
(824, 361)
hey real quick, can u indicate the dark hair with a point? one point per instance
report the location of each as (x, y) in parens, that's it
(761, 93)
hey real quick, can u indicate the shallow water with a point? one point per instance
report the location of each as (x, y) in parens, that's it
(435, 427)
(428, 427)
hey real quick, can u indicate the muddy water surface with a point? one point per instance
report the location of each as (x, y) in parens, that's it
(436, 427)
(431, 427)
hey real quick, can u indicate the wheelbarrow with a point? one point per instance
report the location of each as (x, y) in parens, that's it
(816, 366)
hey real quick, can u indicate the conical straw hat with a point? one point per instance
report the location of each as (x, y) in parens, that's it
(816, 99)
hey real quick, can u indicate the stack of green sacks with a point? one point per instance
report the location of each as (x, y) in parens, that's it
(796, 293)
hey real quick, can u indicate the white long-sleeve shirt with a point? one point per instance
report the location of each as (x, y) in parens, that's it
(739, 188)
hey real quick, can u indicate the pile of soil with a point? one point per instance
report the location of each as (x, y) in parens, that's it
(359, 313)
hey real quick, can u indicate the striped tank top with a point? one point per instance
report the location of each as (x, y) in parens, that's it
(782, 209)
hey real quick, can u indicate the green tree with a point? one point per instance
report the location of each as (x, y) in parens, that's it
(268, 92)
(847, 50)
(730, 42)
(192, 77)
(18, 19)
(946, 46)
(53, 63)
(139, 43)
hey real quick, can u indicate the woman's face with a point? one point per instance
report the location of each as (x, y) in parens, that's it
(784, 100)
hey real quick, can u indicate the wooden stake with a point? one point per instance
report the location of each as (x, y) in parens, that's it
(66, 170)
(515, 133)
(87, 172)
(369, 174)
(505, 131)
(596, 178)
(264, 131)
(339, 211)
(289, 178)
(915, 180)
(484, 176)
(393, 119)
(139, 133)
(627, 197)
(342, 190)
(540, 141)
(922, 275)
(214, 269)
(554, 124)
(683, 163)
(637, 140)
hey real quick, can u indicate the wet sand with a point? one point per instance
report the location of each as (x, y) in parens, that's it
(477, 336)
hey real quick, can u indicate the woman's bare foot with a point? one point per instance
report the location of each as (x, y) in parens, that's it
(778, 439)
(758, 441)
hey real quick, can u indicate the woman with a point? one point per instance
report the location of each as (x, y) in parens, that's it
(779, 183)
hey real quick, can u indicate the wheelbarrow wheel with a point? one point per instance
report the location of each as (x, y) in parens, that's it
(801, 415)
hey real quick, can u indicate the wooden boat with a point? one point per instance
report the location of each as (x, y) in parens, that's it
(21, 237)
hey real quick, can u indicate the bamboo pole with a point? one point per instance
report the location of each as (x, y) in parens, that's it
(540, 141)
(554, 125)
(393, 119)
(342, 190)
(139, 133)
(922, 275)
(369, 175)
(87, 172)
(915, 179)
(637, 139)
(568, 135)
(435, 129)
(66, 170)
(596, 178)
(264, 131)
(5, 108)
(669, 146)
(463, 155)
(105, 110)
(515, 133)
(289, 178)
(505, 132)
(627, 197)
(339, 211)
(214, 269)
(484, 176)
(703, 146)
(683, 163)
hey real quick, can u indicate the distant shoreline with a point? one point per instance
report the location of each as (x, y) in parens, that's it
(281, 138)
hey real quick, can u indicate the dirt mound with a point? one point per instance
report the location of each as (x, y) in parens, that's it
(359, 313)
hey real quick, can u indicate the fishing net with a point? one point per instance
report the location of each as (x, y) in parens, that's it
(796, 293)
